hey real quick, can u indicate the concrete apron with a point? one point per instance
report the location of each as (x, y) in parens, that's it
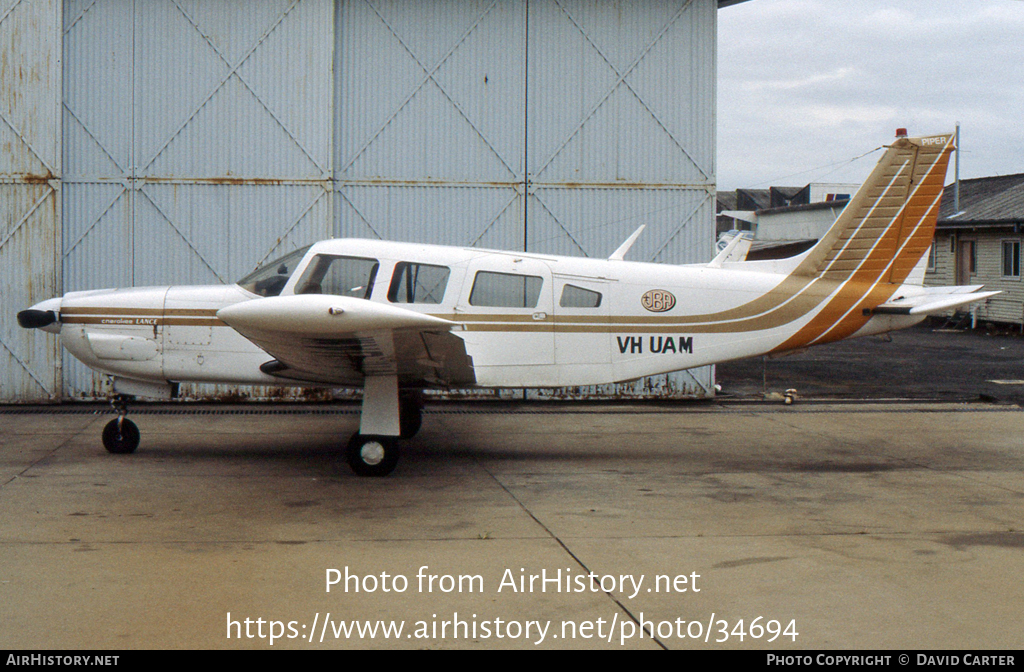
(863, 526)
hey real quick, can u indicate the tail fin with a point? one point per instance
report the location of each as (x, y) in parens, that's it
(887, 227)
(874, 245)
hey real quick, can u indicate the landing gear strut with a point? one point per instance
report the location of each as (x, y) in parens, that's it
(388, 414)
(375, 455)
(121, 435)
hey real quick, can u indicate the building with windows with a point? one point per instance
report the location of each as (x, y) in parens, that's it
(978, 241)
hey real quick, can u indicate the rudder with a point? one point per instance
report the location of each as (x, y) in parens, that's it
(889, 223)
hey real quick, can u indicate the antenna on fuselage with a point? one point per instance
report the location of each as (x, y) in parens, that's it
(620, 254)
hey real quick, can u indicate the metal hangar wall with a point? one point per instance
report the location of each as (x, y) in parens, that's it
(185, 141)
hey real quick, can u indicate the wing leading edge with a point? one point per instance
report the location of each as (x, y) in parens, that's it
(341, 340)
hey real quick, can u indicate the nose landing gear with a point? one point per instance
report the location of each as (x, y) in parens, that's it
(121, 436)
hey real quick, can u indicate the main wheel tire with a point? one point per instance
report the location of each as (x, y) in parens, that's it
(372, 455)
(121, 436)
(410, 419)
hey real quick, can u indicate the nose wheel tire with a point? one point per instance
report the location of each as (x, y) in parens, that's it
(121, 436)
(372, 455)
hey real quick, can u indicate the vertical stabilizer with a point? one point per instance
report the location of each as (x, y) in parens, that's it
(889, 223)
(876, 243)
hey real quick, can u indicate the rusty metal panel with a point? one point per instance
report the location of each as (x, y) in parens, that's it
(29, 365)
(593, 221)
(29, 81)
(478, 216)
(231, 153)
(202, 137)
(622, 92)
(225, 92)
(30, 171)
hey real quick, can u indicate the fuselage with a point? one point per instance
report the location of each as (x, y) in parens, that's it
(527, 320)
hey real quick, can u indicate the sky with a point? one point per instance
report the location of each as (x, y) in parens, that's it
(804, 86)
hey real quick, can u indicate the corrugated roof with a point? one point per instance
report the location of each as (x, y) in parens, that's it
(985, 200)
(726, 200)
(753, 199)
(839, 203)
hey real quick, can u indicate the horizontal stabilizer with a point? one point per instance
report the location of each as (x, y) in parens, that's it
(933, 300)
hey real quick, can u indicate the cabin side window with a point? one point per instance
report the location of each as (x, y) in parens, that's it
(505, 290)
(578, 297)
(340, 276)
(418, 283)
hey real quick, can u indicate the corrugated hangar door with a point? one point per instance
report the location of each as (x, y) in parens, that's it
(430, 121)
(29, 192)
(621, 133)
(201, 138)
(197, 141)
(548, 126)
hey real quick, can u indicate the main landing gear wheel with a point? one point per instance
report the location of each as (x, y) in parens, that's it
(410, 419)
(121, 436)
(372, 455)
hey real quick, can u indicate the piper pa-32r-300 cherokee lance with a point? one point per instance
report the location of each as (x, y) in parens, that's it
(397, 318)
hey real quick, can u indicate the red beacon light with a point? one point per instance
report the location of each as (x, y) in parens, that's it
(901, 132)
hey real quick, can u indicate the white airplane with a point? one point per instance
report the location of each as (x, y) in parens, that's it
(397, 318)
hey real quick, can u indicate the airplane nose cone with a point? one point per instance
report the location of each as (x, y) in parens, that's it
(36, 319)
(44, 315)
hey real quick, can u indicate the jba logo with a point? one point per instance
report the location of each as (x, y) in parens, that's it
(658, 300)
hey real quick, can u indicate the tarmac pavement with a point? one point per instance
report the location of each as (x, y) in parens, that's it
(924, 363)
(819, 526)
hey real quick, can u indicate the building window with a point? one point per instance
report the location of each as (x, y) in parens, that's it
(1011, 258)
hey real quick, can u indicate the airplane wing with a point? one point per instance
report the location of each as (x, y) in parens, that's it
(340, 340)
(933, 300)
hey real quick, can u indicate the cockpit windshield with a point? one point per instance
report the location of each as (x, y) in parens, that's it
(270, 278)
